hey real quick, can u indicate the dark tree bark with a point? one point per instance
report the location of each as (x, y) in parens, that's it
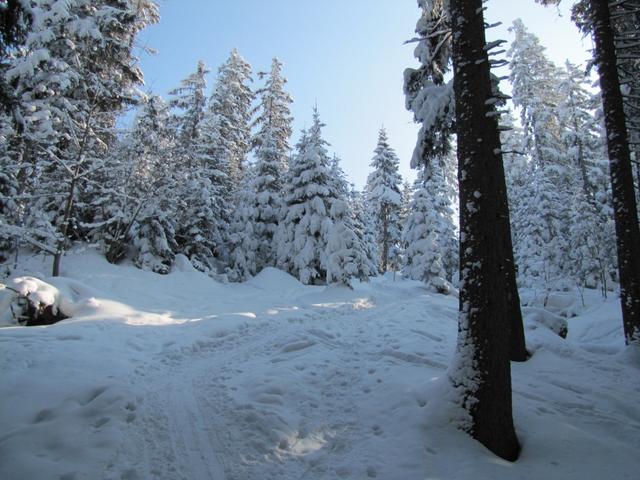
(624, 202)
(517, 343)
(483, 369)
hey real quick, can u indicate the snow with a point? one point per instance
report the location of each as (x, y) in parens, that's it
(179, 377)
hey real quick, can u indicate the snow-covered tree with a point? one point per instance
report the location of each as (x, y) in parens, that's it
(305, 222)
(154, 187)
(271, 144)
(385, 199)
(429, 232)
(228, 116)
(189, 101)
(580, 127)
(346, 255)
(363, 225)
(601, 25)
(273, 120)
(427, 94)
(542, 228)
(243, 240)
(201, 232)
(74, 74)
(592, 258)
(407, 196)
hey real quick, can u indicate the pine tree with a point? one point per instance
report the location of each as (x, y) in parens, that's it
(433, 105)
(580, 133)
(271, 144)
(306, 223)
(591, 259)
(429, 232)
(363, 225)
(383, 194)
(244, 242)
(346, 255)
(189, 100)
(201, 232)
(544, 250)
(154, 185)
(407, 196)
(590, 262)
(74, 74)
(228, 116)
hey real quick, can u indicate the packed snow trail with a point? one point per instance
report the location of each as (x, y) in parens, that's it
(178, 377)
(259, 402)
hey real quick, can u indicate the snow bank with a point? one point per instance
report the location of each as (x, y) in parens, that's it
(274, 280)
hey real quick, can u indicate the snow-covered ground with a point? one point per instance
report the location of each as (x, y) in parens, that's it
(179, 377)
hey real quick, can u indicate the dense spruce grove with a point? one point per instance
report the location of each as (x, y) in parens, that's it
(212, 176)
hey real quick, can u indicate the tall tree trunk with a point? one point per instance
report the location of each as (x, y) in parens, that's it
(483, 370)
(517, 344)
(624, 202)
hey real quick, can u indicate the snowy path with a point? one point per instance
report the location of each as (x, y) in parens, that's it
(179, 378)
(260, 402)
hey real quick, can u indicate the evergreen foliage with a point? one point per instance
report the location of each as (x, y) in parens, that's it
(385, 199)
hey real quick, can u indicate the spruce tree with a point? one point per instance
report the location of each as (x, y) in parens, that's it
(385, 199)
(271, 145)
(188, 102)
(154, 229)
(429, 232)
(228, 116)
(305, 221)
(345, 255)
(542, 255)
(363, 225)
(243, 240)
(347, 252)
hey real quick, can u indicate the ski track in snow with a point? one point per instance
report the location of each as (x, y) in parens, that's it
(188, 423)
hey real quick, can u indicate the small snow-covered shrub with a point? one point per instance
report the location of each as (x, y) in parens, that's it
(30, 301)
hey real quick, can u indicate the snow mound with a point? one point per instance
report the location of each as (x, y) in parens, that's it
(37, 292)
(275, 280)
(182, 264)
(534, 317)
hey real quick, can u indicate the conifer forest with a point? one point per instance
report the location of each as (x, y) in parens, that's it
(191, 289)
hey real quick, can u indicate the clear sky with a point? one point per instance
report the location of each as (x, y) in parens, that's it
(346, 55)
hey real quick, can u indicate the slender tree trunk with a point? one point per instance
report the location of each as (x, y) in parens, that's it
(385, 238)
(624, 202)
(482, 369)
(57, 257)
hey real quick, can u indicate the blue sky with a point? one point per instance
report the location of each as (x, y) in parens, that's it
(346, 55)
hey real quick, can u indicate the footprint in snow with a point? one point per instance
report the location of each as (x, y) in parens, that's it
(297, 346)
